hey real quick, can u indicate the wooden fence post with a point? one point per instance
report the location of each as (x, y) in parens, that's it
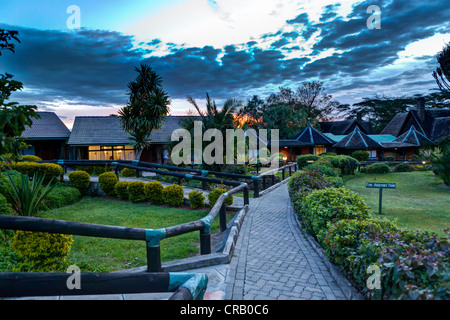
(223, 217)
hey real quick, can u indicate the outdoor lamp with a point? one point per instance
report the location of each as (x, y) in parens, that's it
(284, 158)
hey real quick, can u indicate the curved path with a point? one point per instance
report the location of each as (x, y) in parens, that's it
(273, 260)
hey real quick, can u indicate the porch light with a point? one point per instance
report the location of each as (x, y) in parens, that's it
(424, 162)
(284, 158)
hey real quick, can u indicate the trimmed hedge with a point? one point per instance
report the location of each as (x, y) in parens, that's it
(107, 182)
(323, 168)
(154, 192)
(215, 194)
(136, 191)
(196, 199)
(404, 167)
(80, 180)
(329, 205)
(29, 157)
(360, 155)
(173, 195)
(43, 252)
(5, 207)
(120, 189)
(302, 160)
(127, 172)
(61, 195)
(376, 168)
(50, 170)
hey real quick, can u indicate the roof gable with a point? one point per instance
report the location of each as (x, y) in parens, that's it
(49, 126)
(357, 140)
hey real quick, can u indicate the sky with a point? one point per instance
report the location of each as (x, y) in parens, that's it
(228, 48)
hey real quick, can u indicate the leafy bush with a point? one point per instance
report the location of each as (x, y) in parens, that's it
(346, 164)
(136, 191)
(376, 168)
(5, 207)
(337, 182)
(324, 169)
(120, 189)
(235, 168)
(80, 180)
(413, 265)
(173, 195)
(196, 199)
(302, 161)
(390, 158)
(360, 155)
(304, 182)
(404, 167)
(330, 154)
(325, 206)
(215, 194)
(154, 192)
(127, 172)
(60, 196)
(95, 170)
(43, 252)
(5, 184)
(107, 182)
(49, 170)
(30, 157)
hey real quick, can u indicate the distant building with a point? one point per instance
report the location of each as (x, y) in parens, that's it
(102, 138)
(47, 137)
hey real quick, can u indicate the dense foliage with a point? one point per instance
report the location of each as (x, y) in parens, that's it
(154, 192)
(173, 195)
(107, 182)
(80, 180)
(196, 199)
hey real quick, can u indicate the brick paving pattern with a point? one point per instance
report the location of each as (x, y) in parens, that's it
(273, 260)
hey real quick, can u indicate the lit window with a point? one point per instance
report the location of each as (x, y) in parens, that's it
(319, 150)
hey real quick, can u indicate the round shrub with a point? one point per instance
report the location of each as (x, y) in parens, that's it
(303, 160)
(215, 194)
(120, 189)
(343, 237)
(42, 252)
(304, 182)
(324, 169)
(127, 172)
(404, 167)
(61, 195)
(107, 182)
(80, 180)
(153, 191)
(337, 182)
(173, 195)
(329, 205)
(29, 157)
(5, 207)
(136, 191)
(360, 155)
(376, 168)
(346, 164)
(196, 199)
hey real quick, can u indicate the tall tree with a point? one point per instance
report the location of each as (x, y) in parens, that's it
(13, 117)
(147, 105)
(442, 72)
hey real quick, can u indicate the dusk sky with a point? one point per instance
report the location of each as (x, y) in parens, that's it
(228, 48)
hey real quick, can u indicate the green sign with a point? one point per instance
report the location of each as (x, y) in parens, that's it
(381, 186)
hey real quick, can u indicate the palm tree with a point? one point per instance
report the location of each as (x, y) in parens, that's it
(213, 117)
(147, 105)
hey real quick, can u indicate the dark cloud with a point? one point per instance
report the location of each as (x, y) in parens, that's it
(93, 66)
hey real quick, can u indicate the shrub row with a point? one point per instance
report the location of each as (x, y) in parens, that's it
(342, 163)
(413, 265)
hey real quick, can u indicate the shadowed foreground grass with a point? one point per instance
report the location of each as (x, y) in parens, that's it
(115, 254)
(421, 201)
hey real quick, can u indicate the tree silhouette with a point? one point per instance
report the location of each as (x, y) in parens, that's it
(442, 72)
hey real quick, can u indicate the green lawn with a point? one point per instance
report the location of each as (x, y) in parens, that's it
(421, 201)
(115, 254)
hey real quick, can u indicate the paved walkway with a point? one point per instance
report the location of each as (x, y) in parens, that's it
(273, 260)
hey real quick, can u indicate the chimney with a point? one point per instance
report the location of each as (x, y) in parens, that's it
(359, 116)
(421, 108)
